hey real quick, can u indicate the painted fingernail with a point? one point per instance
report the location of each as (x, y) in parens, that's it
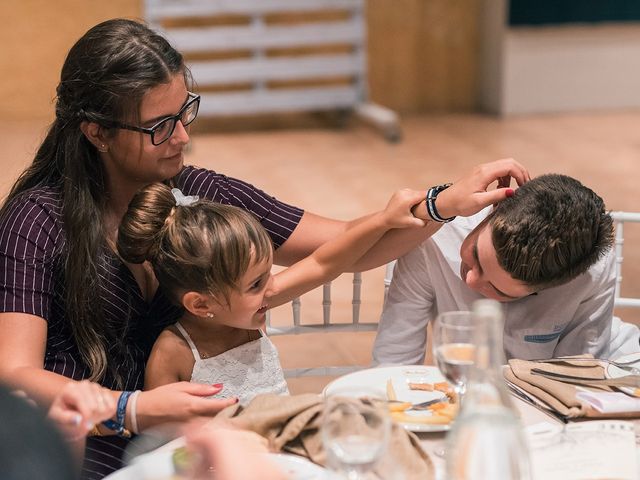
(509, 192)
(217, 385)
(236, 400)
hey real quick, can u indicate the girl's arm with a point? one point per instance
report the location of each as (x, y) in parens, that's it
(337, 255)
(466, 196)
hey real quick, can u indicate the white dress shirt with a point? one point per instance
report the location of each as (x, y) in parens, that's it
(573, 318)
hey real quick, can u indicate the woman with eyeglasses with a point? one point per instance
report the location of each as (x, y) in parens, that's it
(71, 309)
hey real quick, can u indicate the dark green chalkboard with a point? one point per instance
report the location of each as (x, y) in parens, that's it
(539, 12)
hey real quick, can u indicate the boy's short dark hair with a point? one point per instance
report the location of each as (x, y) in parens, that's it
(552, 230)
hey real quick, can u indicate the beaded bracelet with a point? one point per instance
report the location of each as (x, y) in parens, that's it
(118, 425)
(432, 194)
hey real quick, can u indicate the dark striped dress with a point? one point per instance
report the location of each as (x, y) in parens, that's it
(32, 239)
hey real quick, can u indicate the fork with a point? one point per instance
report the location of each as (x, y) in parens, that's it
(422, 405)
(627, 366)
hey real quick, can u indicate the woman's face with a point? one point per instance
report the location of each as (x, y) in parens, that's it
(131, 158)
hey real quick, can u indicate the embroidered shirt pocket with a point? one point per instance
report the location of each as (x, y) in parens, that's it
(542, 337)
(537, 342)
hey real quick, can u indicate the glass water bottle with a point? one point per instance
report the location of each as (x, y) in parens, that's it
(487, 439)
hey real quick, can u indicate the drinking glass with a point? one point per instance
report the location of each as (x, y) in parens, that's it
(453, 348)
(355, 434)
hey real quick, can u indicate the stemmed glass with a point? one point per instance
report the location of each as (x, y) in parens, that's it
(355, 434)
(453, 348)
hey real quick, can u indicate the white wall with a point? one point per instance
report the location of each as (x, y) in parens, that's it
(557, 68)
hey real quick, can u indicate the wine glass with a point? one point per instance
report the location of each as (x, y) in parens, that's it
(453, 348)
(355, 433)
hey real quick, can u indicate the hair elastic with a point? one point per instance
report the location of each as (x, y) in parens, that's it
(133, 411)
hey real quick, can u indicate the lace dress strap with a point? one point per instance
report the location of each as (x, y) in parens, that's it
(194, 350)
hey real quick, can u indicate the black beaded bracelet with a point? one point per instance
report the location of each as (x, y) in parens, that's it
(432, 193)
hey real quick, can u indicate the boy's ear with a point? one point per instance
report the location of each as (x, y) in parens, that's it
(94, 133)
(199, 304)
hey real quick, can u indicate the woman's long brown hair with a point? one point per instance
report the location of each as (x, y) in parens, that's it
(104, 78)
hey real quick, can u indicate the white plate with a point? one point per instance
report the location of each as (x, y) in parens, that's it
(374, 380)
(614, 372)
(298, 468)
(294, 466)
(155, 464)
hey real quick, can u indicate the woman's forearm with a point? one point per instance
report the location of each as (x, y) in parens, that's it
(38, 384)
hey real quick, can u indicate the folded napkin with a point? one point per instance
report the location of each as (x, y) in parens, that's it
(610, 402)
(566, 399)
(292, 424)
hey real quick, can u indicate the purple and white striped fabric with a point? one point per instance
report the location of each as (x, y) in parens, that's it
(32, 242)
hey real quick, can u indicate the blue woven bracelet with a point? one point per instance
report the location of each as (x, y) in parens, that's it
(118, 425)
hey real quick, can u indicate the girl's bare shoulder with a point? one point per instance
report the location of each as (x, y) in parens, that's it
(170, 339)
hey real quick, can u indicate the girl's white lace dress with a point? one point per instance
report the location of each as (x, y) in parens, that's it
(246, 371)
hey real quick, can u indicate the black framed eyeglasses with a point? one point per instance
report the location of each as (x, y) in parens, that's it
(162, 131)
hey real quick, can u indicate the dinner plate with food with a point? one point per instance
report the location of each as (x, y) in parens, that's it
(418, 396)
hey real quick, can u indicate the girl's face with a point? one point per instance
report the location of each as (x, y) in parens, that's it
(248, 307)
(131, 158)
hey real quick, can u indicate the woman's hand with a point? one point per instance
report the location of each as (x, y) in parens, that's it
(179, 402)
(398, 212)
(469, 195)
(79, 406)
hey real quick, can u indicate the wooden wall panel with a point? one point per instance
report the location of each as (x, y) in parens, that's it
(34, 40)
(422, 53)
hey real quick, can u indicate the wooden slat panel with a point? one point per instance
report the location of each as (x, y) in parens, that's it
(191, 40)
(156, 10)
(286, 100)
(265, 69)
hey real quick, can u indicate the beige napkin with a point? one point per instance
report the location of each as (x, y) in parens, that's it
(558, 395)
(292, 424)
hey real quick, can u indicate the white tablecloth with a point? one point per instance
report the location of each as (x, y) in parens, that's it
(529, 415)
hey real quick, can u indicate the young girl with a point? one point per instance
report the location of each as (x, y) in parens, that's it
(215, 260)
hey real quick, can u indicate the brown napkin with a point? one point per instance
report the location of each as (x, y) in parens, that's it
(558, 395)
(292, 424)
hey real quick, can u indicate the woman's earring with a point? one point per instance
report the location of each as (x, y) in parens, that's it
(103, 148)
(210, 315)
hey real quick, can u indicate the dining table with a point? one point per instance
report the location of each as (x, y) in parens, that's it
(434, 442)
